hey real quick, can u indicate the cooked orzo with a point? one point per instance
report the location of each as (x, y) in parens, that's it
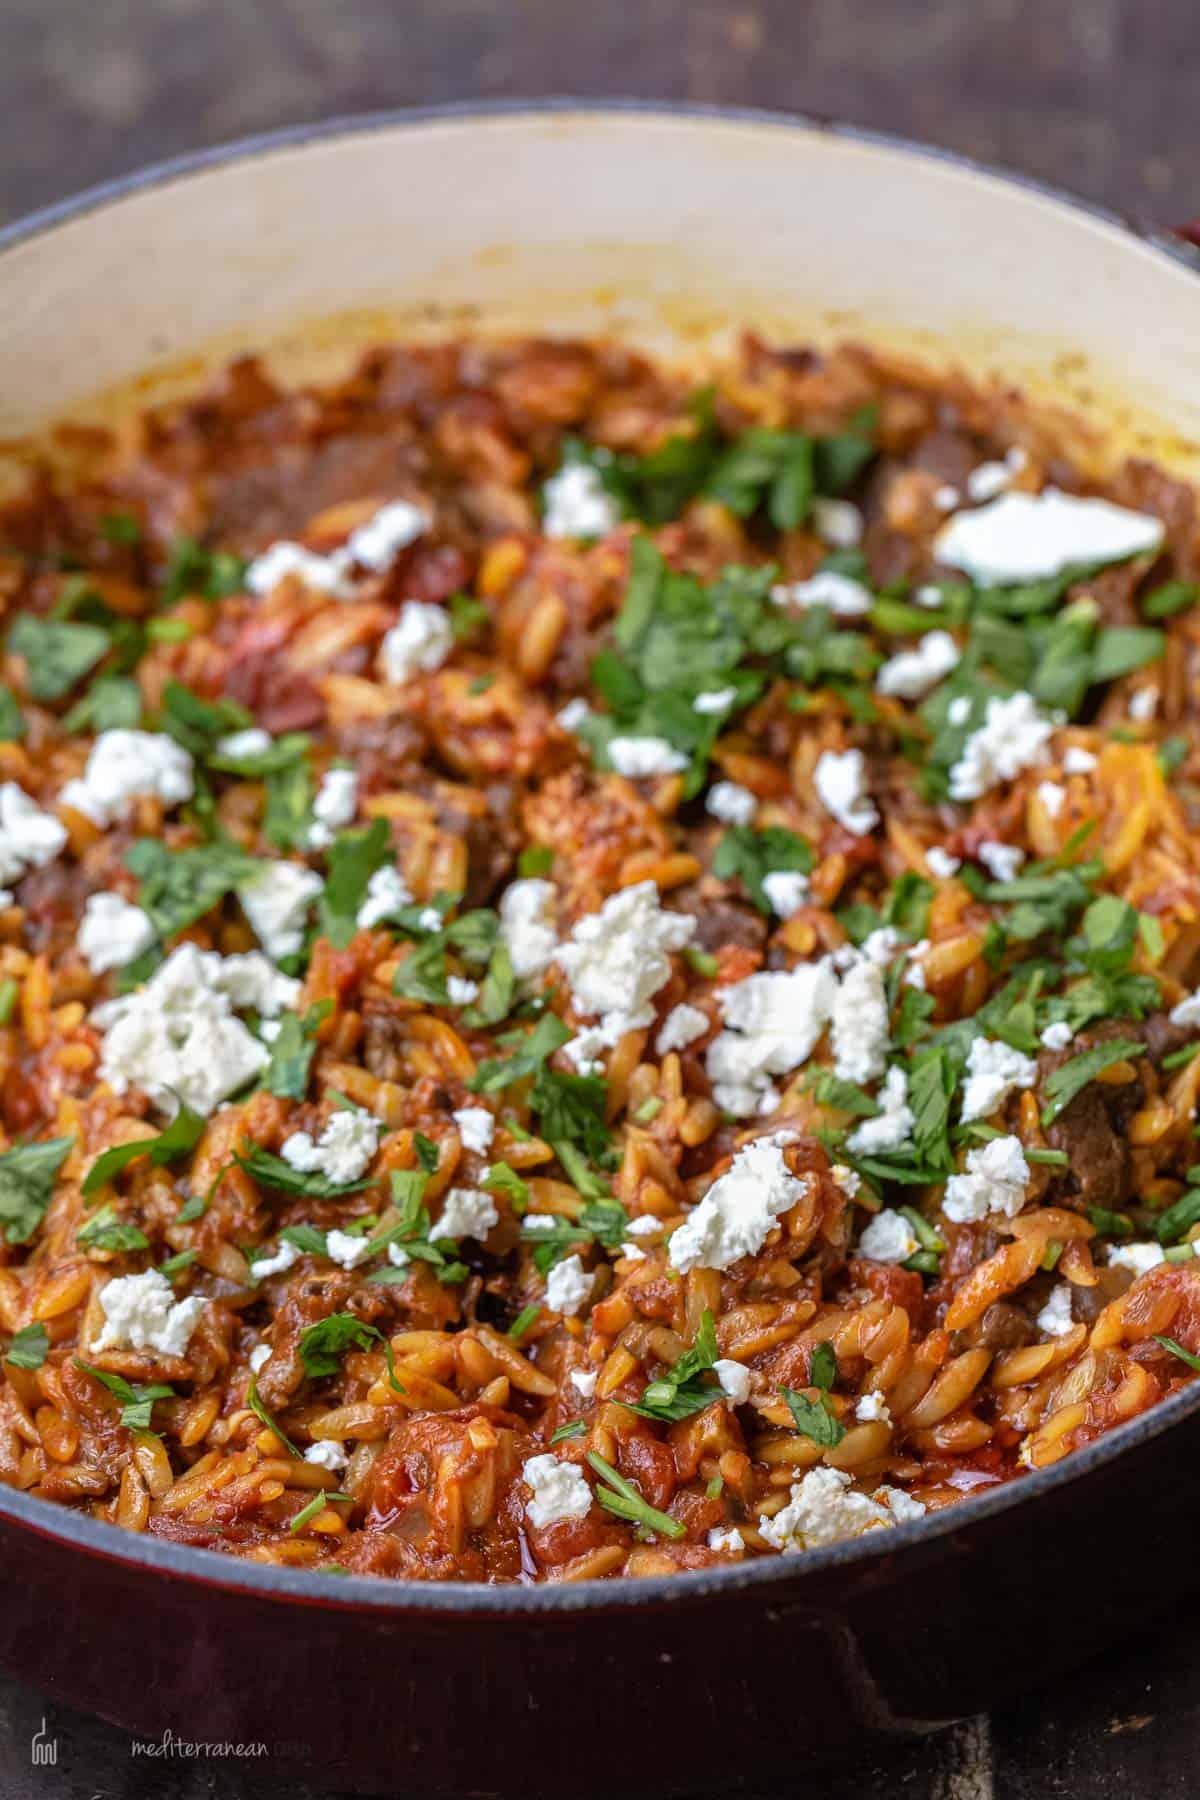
(597, 977)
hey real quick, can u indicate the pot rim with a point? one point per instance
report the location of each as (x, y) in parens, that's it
(372, 1594)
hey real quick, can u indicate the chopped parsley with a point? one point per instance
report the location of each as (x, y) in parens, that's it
(621, 1498)
(29, 1347)
(323, 1345)
(814, 1419)
(292, 1050)
(176, 1139)
(137, 1400)
(683, 1390)
(1061, 1087)
(57, 654)
(27, 1175)
(272, 1171)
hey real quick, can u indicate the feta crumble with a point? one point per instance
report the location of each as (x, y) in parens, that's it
(326, 1453)
(560, 1491)
(1078, 761)
(841, 783)
(845, 597)
(334, 806)
(253, 741)
(1055, 1317)
(731, 803)
(527, 926)
(345, 1248)
(837, 522)
(1143, 704)
(461, 991)
(142, 1313)
(112, 932)
(738, 1212)
(823, 1509)
(577, 504)
(342, 1152)
(1030, 537)
(377, 543)
(260, 1356)
(121, 766)
(418, 643)
(786, 890)
(177, 1038)
(285, 1257)
(476, 1128)
(1053, 797)
(324, 574)
(941, 864)
(1000, 860)
(889, 1238)
(994, 1181)
(871, 1409)
(681, 1027)
(584, 1381)
(387, 894)
(467, 1212)
(912, 673)
(718, 701)
(617, 959)
(734, 1378)
(641, 758)
(276, 901)
(893, 1125)
(730, 1540)
(994, 1071)
(29, 837)
(1139, 1259)
(1058, 1035)
(573, 714)
(1014, 736)
(773, 1021)
(568, 1286)
(859, 1023)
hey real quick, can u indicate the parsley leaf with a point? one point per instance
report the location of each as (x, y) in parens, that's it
(1177, 1349)
(105, 1231)
(260, 1412)
(29, 1347)
(273, 1172)
(815, 1419)
(353, 858)
(547, 1036)
(181, 1135)
(178, 887)
(27, 1175)
(57, 655)
(292, 1050)
(323, 1345)
(137, 1400)
(12, 719)
(622, 1499)
(683, 1391)
(1062, 1086)
(191, 569)
(197, 724)
(753, 855)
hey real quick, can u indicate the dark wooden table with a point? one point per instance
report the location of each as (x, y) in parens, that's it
(1100, 95)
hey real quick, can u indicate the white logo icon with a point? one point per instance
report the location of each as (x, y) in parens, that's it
(43, 1749)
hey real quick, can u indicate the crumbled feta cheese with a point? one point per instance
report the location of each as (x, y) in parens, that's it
(326, 1453)
(387, 894)
(335, 805)
(260, 1356)
(849, 1180)
(730, 1540)
(1052, 796)
(568, 1286)
(577, 504)
(845, 597)
(994, 1071)
(773, 1021)
(959, 709)
(1058, 1035)
(872, 1408)
(253, 741)
(734, 1378)
(1138, 1258)
(786, 890)
(731, 803)
(112, 932)
(988, 480)
(718, 701)
(286, 1257)
(142, 1313)
(823, 1509)
(681, 1027)
(560, 1491)
(912, 673)
(1030, 537)
(573, 714)
(841, 782)
(398, 1256)
(994, 1181)
(419, 642)
(467, 1212)
(342, 1152)
(859, 1023)
(325, 574)
(947, 497)
(889, 1238)
(176, 1038)
(1013, 736)
(893, 1125)
(378, 543)
(1144, 704)
(903, 1508)
(29, 837)
(344, 1247)
(641, 758)
(123, 765)
(738, 1212)
(1001, 860)
(527, 913)
(1187, 1012)
(645, 1226)
(1078, 761)
(941, 864)
(276, 902)
(837, 522)
(584, 1381)
(1055, 1317)
(476, 1128)
(461, 991)
(617, 959)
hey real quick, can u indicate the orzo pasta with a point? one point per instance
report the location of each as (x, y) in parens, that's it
(595, 977)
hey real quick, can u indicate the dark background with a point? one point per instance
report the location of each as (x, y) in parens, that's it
(1099, 95)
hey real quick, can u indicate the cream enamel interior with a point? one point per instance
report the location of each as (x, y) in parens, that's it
(667, 229)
